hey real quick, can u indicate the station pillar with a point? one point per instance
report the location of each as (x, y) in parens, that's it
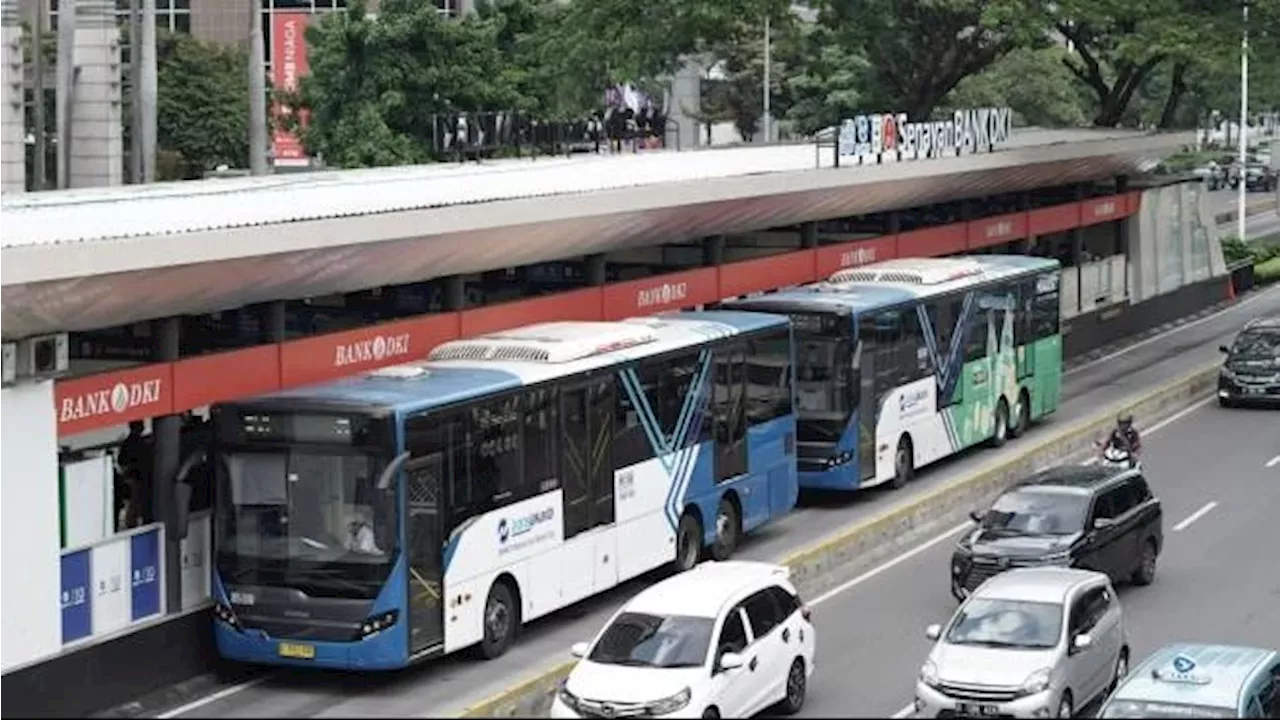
(455, 293)
(713, 251)
(808, 235)
(166, 434)
(596, 270)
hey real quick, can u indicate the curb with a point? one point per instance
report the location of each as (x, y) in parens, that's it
(1258, 208)
(829, 562)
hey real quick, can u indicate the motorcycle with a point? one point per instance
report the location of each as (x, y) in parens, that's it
(1116, 456)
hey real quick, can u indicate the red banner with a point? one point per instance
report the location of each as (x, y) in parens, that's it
(288, 64)
(1103, 209)
(1049, 220)
(208, 379)
(661, 293)
(113, 398)
(767, 273)
(934, 241)
(335, 355)
(834, 258)
(997, 230)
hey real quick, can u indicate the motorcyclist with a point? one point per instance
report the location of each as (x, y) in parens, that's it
(1125, 436)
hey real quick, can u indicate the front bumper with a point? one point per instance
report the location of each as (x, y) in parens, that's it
(562, 711)
(1244, 390)
(932, 703)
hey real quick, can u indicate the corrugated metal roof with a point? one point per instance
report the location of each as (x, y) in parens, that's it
(174, 208)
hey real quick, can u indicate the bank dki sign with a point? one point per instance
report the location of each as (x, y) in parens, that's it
(869, 137)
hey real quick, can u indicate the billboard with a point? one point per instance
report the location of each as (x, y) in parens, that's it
(288, 64)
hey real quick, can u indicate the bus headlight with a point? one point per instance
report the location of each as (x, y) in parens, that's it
(226, 615)
(377, 623)
(675, 703)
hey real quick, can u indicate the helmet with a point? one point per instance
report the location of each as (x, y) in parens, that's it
(1125, 421)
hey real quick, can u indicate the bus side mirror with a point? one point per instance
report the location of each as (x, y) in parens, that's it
(393, 467)
(1224, 349)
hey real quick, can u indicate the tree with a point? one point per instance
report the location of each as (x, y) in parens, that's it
(377, 87)
(202, 104)
(920, 50)
(1118, 46)
(825, 80)
(1034, 83)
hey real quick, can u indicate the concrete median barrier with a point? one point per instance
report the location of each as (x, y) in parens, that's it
(1253, 208)
(838, 558)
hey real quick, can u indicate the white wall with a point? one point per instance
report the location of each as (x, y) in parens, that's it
(30, 556)
(1173, 241)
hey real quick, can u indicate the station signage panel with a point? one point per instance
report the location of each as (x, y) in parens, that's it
(870, 137)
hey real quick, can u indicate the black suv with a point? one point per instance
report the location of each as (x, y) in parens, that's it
(1092, 517)
(1251, 372)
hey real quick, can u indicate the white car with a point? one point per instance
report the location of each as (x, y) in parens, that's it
(725, 639)
(1028, 643)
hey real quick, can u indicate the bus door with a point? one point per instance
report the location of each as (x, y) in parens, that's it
(863, 402)
(586, 466)
(426, 477)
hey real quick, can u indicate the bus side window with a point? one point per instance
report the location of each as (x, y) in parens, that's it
(676, 376)
(1045, 309)
(913, 356)
(540, 449)
(631, 445)
(975, 342)
(496, 468)
(769, 376)
(1026, 293)
(445, 436)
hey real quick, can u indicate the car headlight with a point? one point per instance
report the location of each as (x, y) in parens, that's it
(569, 699)
(675, 703)
(1061, 558)
(929, 673)
(1036, 682)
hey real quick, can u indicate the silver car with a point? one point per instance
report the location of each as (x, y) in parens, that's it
(1028, 643)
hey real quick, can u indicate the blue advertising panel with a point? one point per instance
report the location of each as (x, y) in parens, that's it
(144, 562)
(77, 608)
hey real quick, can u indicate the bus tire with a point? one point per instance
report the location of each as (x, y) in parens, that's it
(1023, 420)
(728, 529)
(904, 466)
(1000, 429)
(688, 542)
(501, 619)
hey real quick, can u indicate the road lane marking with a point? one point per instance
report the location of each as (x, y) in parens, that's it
(1171, 331)
(1273, 461)
(1195, 516)
(224, 692)
(890, 564)
(904, 712)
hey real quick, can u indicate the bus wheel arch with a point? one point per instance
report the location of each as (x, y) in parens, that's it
(904, 461)
(689, 536)
(728, 526)
(1022, 418)
(501, 617)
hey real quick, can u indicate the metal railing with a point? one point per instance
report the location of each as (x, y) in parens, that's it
(458, 137)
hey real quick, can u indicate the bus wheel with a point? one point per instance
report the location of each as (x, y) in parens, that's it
(903, 464)
(1001, 431)
(500, 620)
(728, 526)
(688, 542)
(1023, 420)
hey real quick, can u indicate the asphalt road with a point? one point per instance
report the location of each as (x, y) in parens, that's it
(448, 686)
(1225, 200)
(1217, 474)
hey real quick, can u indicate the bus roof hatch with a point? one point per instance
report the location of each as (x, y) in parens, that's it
(910, 271)
(553, 342)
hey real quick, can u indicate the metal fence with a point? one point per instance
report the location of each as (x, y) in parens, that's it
(483, 135)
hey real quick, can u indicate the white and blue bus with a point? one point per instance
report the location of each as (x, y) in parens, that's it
(904, 362)
(420, 509)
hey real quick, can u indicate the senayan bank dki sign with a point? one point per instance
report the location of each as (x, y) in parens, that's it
(867, 137)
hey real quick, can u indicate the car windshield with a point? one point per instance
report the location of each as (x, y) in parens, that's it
(1007, 624)
(299, 518)
(660, 641)
(1032, 512)
(1257, 345)
(1144, 709)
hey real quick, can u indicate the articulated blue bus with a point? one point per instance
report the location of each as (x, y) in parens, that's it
(905, 362)
(425, 508)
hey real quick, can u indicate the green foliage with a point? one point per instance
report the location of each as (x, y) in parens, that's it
(1235, 250)
(825, 82)
(1267, 272)
(1035, 83)
(202, 104)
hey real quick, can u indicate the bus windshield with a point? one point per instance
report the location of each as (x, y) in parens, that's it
(823, 377)
(313, 520)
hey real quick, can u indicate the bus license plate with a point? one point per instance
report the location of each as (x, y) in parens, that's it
(298, 651)
(974, 710)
